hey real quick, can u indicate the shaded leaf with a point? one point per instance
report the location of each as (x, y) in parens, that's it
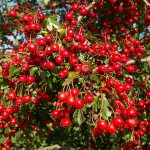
(78, 117)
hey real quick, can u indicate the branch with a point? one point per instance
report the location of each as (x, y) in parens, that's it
(88, 8)
(56, 147)
(130, 62)
(146, 2)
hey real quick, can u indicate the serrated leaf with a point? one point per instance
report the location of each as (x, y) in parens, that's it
(72, 75)
(78, 117)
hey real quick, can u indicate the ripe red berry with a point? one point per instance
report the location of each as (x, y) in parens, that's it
(75, 7)
(12, 13)
(79, 104)
(32, 47)
(66, 122)
(97, 132)
(2, 108)
(89, 98)
(85, 68)
(118, 121)
(27, 98)
(70, 101)
(69, 16)
(59, 59)
(75, 92)
(83, 11)
(22, 79)
(30, 79)
(131, 112)
(13, 121)
(5, 65)
(62, 96)
(102, 125)
(132, 123)
(12, 95)
(111, 128)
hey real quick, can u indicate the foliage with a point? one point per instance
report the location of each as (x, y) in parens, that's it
(76, 74)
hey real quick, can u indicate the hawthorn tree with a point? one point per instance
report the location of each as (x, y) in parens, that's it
(75, 73)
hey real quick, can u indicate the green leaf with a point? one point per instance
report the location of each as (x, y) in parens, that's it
(107, 112)
(105, 101)
(104, 116)
(71, 77)
(43, 75)
(14, 70)
(78, 117)
(146, 68)
(33, 70)
(45, 1)
(96, 103)
(80, 80)
(95, 86)
(105, 108)
(96, 78)
(52, 23)
(61, 32)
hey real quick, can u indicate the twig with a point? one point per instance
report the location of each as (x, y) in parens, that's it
(130, 62)
(88, 8)
(146, 2)
(56, 147)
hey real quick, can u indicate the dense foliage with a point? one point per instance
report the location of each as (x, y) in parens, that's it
(75, 73)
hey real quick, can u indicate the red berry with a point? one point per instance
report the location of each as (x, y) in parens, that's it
(2, 108)
(131, 112)
(32, 47)
(89, 98)
(85, 68)
(12, 95)
(132, 123)
(70, 101)
(79, 104)
(12, 13)
(118, 121)
(75, 92)
(30, 79)
(13, 121)
(111, 128)
(102, 125)
(66, 122)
